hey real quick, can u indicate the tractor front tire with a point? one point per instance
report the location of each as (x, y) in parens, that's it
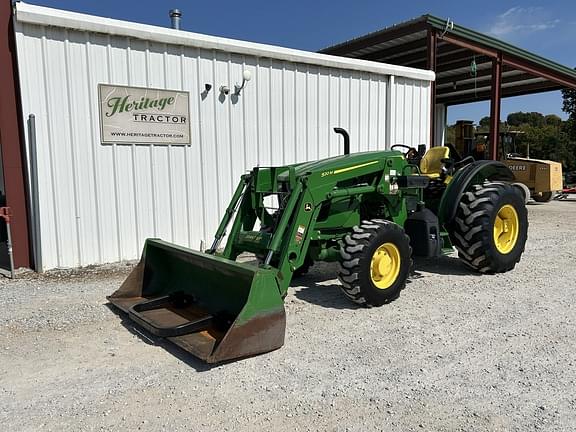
(490, 228)
(375, 261)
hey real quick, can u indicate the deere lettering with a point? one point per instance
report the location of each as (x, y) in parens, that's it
(120, 105)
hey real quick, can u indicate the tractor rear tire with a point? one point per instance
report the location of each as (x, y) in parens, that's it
(375, 261)
(543, 197)
(490, 228)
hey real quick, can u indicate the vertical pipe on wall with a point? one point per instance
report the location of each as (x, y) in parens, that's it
(33, 193)
(390, 131)
(431, 46)
(495, 102)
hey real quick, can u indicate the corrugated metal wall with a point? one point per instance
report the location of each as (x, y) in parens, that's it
(97, 203)
(409, 107)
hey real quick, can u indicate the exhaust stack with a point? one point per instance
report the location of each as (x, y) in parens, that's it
(175, 16)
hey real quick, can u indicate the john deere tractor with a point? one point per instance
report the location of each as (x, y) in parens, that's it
(370, 211)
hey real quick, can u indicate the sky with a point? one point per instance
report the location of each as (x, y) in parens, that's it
(545, 27)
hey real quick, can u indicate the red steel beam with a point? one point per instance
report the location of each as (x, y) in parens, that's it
(484, 83)
(521, 90)
(416, 55)
(11, 127)
(513, 61)
(533, 69)
(463, 63)
(463, 43)
(481, 74)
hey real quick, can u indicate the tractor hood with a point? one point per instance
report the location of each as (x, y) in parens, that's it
(341, 163)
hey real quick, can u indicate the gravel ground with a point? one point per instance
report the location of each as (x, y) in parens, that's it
(457, 351)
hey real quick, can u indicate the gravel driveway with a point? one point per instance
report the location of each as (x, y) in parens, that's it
(457, 351)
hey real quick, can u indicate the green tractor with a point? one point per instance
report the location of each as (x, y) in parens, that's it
(370, 211)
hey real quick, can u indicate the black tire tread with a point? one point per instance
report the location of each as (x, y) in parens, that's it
(544, 197)
(472, 220)
(352, 252)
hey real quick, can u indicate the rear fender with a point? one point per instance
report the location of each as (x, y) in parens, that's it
(472, 174)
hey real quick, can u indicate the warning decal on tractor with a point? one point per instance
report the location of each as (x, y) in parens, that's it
(300, 233)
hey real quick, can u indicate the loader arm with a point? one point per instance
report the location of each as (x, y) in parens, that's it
(305, 191)
(288, 242)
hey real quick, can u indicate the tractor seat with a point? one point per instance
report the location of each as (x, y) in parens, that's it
(431, 163)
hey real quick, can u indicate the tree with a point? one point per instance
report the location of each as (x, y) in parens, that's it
(569, 127)
(553, 120)
(569, 103)
(521, 118)
(485, 122)
(569, 107)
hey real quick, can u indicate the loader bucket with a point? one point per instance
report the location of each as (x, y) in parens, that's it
(212, 307)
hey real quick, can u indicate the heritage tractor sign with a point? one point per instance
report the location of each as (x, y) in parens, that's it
(135, 115)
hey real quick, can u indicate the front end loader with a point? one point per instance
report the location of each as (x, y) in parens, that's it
(370, 211)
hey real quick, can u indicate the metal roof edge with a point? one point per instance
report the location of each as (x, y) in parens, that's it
(491, 42)
(422, 18)
(39, 15)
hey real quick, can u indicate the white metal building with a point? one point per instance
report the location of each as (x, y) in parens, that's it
(96, 203)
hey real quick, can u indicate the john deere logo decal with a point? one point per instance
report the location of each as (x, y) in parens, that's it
(308, 207)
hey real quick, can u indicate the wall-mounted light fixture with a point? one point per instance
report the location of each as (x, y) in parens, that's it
(246, 76)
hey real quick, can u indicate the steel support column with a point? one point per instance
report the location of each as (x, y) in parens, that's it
(431, 46)
(11, 138)
(495, 103)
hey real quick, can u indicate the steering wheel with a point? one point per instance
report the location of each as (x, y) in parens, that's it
(411, 153)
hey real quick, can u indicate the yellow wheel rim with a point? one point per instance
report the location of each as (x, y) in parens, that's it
(385, 266)
(506, 227)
